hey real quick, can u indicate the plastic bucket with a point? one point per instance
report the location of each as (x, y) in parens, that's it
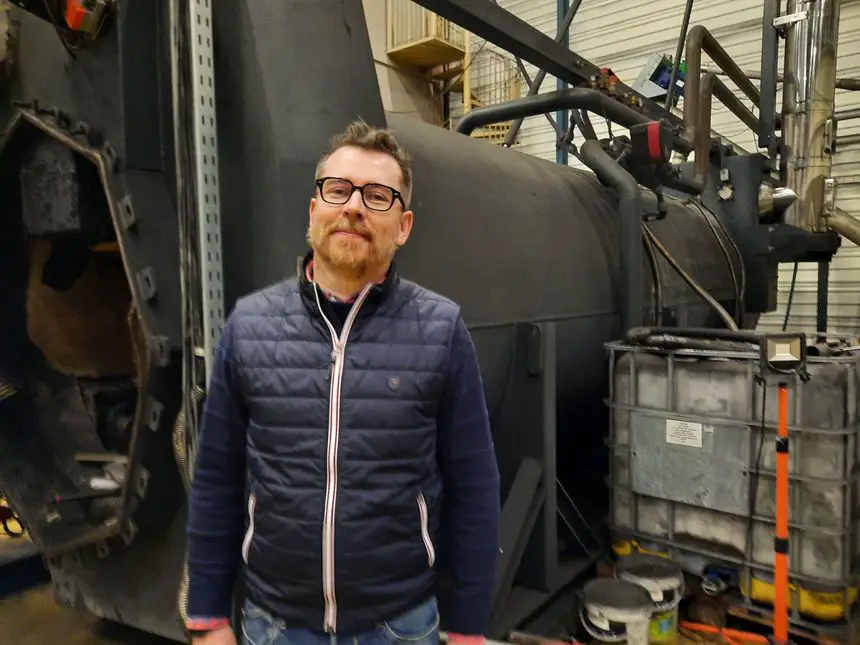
(664, 581)
(616, 611)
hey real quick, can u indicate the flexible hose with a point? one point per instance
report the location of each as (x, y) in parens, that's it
(639, 334)
(695, 286)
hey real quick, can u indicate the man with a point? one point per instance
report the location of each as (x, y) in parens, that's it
(345, 441)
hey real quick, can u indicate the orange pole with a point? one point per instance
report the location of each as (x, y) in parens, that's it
(780, 619)
(747, 638)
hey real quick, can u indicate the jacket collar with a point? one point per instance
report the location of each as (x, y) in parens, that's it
(378, 293)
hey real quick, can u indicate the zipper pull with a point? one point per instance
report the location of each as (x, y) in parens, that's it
(336, 352)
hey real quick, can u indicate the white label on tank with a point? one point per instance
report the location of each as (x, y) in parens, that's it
(684, 433)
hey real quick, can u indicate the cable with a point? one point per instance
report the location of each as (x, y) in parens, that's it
(790, 297)
(740, 288)
(679, 51)
(723, 314)
(187, 421)
(655, 275)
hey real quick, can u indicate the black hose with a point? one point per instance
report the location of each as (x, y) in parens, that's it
(572, 98)
(671, 341)
(638, 334)
(631, 251)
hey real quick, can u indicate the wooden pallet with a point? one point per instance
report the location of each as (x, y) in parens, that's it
(763, 619)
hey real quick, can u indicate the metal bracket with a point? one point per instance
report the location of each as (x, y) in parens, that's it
(784, 22)
(206, 165)
(829, 203)
(830, 127)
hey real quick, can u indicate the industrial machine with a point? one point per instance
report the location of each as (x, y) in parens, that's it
(156, 161)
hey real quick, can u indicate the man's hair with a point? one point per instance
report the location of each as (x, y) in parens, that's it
(359, 134)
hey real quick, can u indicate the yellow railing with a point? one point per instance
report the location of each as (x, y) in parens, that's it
(411, 25)
(494, 78)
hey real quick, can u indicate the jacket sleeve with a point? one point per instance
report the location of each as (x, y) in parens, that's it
(217, 497)
(467, 460)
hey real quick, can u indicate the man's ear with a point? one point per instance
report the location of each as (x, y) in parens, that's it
(406, 221)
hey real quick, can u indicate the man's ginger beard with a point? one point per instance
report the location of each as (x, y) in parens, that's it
(351, 257)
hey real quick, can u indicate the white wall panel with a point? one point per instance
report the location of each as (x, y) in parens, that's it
(622, 35)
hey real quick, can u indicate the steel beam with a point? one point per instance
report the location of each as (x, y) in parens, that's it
(504, 29)
(769, 71)
(563, 116)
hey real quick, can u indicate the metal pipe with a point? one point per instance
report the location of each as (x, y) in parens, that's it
(700, 40)
(631, 251)
(845, 224)
(774, 200)
(850, 84)
(713, 86)
(676, 63)
(572, 98)
(848, 140)
(783, 198)
(808, 103)
(846, 115)
(534, 86)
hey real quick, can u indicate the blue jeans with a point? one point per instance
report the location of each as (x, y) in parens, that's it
(419, 626)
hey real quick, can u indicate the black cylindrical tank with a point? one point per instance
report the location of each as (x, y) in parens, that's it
(514, 238)
(509, 236)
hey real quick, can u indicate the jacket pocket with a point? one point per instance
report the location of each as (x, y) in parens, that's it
(249, 534)
(425, 529)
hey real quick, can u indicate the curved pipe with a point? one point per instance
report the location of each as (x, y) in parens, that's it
(573, 98)
(630, 249)
(713, 86)
(700, 40)
(845, 224)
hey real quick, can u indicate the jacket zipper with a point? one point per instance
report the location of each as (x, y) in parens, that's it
(337, 358)
(425, 530)
(249, 534)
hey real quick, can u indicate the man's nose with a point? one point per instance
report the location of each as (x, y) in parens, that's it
(354, 204)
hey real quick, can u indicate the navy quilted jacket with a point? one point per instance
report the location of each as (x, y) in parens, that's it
(350, 428)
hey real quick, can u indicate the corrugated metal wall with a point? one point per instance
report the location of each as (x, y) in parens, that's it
(622, 35)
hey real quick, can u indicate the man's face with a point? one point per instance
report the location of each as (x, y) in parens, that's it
(351, 237)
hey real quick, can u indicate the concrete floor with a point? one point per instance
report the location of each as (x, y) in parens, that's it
(33, 618)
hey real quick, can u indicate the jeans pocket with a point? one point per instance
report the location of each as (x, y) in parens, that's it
(258, 627)
(415, 626)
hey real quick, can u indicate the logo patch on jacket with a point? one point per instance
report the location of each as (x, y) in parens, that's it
(394, 382)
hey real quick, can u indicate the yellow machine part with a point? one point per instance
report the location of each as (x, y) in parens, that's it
(823, 605)
(813, 603)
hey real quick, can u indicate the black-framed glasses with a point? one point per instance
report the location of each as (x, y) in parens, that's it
(377, 197)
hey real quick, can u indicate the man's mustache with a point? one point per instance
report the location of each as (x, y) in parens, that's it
(346, 227)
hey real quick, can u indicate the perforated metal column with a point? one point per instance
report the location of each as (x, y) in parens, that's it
(206, 165)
